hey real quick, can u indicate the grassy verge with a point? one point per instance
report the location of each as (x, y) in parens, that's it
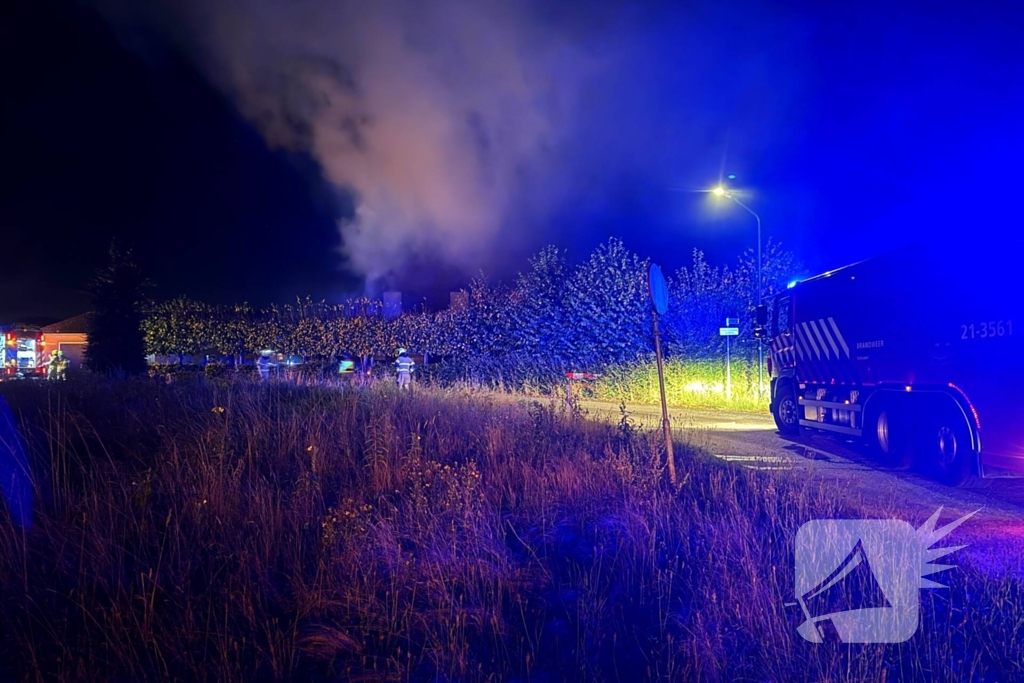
(241, 532)
(688, 383)
(696, 383)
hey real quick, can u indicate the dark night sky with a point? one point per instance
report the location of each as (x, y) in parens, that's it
(98, 143)
(855, 126)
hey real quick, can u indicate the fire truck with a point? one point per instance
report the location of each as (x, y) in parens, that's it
(918, 352)
(22, 354)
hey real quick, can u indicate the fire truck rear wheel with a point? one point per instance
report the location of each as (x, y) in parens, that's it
(885, 429)
(946, 448)
(786, 410)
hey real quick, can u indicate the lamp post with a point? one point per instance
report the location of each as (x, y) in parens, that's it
(721, 191)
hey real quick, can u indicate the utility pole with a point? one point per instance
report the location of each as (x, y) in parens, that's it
(722, 191)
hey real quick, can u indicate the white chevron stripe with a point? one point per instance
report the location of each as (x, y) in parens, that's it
(828, 334)
(797, 344)
(839, 337)
(809, 339)
(808, 348)
(824, 346)
(801, 339)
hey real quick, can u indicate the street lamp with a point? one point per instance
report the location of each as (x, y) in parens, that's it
(722, 191)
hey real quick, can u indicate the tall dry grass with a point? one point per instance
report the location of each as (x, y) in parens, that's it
(238, 532)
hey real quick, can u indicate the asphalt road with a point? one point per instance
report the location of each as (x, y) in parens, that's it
(994, 535)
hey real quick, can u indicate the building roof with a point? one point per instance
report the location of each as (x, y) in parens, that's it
(76, 325)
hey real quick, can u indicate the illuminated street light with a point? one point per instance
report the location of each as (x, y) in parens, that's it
(721, 191)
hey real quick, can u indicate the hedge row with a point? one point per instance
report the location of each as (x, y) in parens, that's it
(553, 318)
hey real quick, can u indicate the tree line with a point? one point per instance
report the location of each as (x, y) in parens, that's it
(554, 317)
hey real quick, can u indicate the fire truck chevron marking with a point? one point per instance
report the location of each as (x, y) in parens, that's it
(839, 337)
(798, 345)
(815, 367)
(810, 339)
(817, 333)
(828, 334)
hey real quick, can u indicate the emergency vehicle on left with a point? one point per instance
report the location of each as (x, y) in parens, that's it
(23, 355)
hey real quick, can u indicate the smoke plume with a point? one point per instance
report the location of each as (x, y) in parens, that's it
(429, 113)
(456, 125)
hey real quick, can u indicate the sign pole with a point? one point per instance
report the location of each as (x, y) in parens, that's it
(728, 371)
(730, 330)
(658, 289)
(665, 426)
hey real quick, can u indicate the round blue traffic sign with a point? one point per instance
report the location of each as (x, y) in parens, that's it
(658, 288)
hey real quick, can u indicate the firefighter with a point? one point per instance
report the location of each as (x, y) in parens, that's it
(404, 364)
(58, 365)
(48, 362)
(263, 366)
(62, 367)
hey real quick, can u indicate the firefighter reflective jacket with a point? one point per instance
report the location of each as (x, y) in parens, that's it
(404, 364)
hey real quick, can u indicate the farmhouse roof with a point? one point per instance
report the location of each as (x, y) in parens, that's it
(79, 324)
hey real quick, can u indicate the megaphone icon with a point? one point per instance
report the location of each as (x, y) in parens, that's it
(873, 569)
